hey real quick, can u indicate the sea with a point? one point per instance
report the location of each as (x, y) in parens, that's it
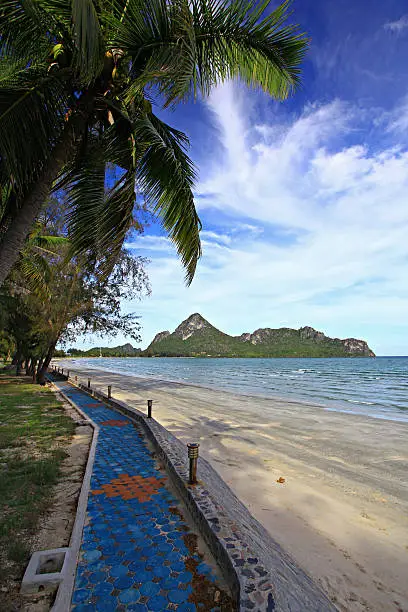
(377, 387)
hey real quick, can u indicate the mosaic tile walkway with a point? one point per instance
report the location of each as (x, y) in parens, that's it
(137, 552)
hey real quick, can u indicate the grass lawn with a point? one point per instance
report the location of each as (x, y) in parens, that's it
(33, 434)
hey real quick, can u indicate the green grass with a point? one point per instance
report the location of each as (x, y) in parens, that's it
(33, 433)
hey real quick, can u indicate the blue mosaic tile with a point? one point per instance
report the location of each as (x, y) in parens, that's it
(186, 607)
(161, 571)
(105, 589)
(136, 607)
(80, 596)
(185, 577)
(130, 530)
(106, 604)
(157, 603)
(170, 583)
(129, 596)
(118, 570)
(149, 588)
(92, 555)
(177, 596)
(123, 582)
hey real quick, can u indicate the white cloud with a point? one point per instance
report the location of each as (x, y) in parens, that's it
(150, 243)
(399, 118)
(398, 25)
(215, 237)
(341, 208)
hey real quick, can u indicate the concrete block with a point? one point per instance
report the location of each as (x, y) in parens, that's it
(45, 571)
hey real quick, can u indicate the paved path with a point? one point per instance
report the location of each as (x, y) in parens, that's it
(137, 552)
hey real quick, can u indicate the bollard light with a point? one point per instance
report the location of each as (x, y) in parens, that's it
(109, 391)
(76, 378)
(67, 374)
(89, 383)
(149, 408)
(193, 457)
(62, 371)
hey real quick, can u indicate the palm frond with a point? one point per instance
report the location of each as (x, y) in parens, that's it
(116, 219)
(32, 117)
(36, 272)
(24, 30)
(99, 215)
(84, 183)
(184, 46)
(89, 40)
(166, 177)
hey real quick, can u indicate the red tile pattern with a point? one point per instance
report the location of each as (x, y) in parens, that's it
(131, 487)
(115, 423)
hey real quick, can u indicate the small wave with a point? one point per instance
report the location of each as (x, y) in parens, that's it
(360, 402)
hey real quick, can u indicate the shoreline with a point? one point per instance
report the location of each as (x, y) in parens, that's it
(239, 393)
(341, 512)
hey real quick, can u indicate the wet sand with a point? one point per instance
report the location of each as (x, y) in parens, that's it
(342, 511)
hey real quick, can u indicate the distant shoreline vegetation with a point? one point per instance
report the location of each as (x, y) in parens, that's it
(195, 337)
(127, 350)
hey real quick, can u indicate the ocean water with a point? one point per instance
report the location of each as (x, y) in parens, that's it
(377, 387)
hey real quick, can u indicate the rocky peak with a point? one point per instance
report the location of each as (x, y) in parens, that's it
(160, 336)
(357, 347)
(309, 333)
(261, 335)
(245, 337)
(194, 323)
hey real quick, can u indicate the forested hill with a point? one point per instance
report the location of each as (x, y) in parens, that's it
(196, 337)
(126, 350)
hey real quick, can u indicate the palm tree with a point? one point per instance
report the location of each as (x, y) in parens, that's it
(33, 262)
(77, 83)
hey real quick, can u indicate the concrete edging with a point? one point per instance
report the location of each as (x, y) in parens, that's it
(62, 602)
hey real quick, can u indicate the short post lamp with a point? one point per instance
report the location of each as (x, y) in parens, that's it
(62, 371)
(149, 408)
(89, 383)
(67, 374)
(76, 379)
(109, 391)
(193, 458)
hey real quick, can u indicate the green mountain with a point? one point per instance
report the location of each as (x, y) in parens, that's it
(126, 350)
(196, 337)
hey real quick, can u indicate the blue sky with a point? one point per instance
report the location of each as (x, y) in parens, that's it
(304, 203)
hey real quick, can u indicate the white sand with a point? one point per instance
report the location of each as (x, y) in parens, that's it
(342, 511)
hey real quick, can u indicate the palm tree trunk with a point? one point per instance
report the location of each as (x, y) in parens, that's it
(22, 223)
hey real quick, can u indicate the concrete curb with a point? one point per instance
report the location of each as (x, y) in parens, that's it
(62, 601)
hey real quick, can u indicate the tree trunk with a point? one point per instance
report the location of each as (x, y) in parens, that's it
(44, 367)
(13, 240)
(33, 370)
(18, 367)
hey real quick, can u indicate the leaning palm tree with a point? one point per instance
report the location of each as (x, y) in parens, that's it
(77, 82)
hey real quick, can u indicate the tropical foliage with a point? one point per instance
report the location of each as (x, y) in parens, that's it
(79, 81)
(63, 299)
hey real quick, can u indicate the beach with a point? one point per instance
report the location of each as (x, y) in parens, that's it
(342, 510)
